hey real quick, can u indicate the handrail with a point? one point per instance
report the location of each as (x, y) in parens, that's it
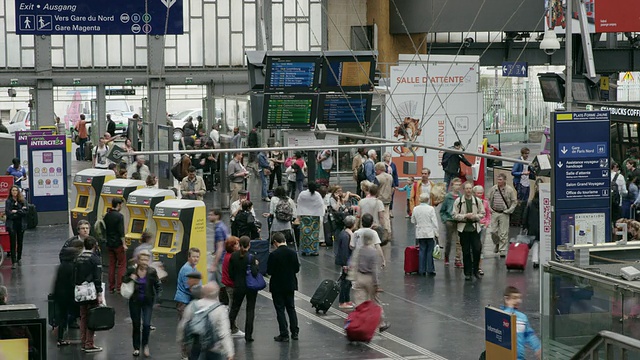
(603, 337)
(605, 280)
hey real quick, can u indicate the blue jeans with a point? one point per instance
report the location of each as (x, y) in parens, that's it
(523, 192)
(425, 257)
(82, 142)
(139, 310)
(265, 184)
(447, 179)
(299, 185)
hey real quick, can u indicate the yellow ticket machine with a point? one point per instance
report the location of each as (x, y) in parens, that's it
(180, 225)
(88, 203)
(141, 204)
(117, 189)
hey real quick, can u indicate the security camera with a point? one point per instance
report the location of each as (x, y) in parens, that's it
(550, 42)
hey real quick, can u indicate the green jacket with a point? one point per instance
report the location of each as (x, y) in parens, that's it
(446, 209)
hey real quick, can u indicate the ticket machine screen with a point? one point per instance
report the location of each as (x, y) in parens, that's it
(83, 200)
(137, 226)
(165, 239)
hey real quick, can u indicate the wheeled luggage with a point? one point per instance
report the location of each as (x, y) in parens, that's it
(411, 259)
(325, 295)
(260, 250)
(78, 154)
(516, 218)
(362, 323)
(101, 318)
(88, 151)
(52, 311)
(517, 256)
(32, 216)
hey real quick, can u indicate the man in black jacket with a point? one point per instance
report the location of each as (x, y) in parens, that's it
(111, 126)
(89, 268)
(114, 226)
(282, 266)
(451, 164)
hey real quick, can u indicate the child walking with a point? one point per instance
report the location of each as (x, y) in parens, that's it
(408, 188)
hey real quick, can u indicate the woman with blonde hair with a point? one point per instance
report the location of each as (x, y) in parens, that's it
(15, 208)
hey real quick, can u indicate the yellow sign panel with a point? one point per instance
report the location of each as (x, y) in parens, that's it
(564, 116)
(628, 76)
(604, 83)
(14, 349)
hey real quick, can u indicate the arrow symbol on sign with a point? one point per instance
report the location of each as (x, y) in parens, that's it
(564, 150)
(560, 164)
(168, 3)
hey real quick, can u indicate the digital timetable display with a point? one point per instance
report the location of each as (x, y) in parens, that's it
(344, 110)
(289, 111)
(292, 73)
(347, 74)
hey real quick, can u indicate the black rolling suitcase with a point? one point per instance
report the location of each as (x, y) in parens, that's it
(88, 151)
(101, 318)
(52, 311)
(78, 154)
(325, 295)
(32, 216)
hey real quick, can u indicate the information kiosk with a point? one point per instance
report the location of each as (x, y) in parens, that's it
(88, 202)
(141, 204)
(180, 224)
(116, 189)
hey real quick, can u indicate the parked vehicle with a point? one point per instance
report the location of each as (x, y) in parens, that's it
(22, 121)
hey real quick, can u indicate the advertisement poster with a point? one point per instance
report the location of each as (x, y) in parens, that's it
(434, 103)
(22, 140)
(584, 227)
(545, 223)
(48, 175)
(603, 16)
(14, 349)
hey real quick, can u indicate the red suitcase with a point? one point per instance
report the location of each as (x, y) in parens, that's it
(517, 256)
(411, 256)
(362, 323)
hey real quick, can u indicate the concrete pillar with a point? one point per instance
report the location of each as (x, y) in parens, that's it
(43, 92)
(99, 123)
(157, 95)
(311, 165)
(210, 104)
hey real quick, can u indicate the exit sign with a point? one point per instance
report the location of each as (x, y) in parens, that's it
(120, 92)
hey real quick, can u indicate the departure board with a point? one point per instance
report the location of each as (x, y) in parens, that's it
(292, 73)
(347, 74)
(289, 111)
(344, 110)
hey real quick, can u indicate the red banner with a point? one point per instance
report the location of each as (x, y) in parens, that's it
(6, 182)
(617, 16)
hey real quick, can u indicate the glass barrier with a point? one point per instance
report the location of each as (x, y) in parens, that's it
(577, 304)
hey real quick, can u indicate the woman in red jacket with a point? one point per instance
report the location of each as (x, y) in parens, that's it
(231, 245)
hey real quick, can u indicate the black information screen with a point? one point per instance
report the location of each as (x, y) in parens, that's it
(165, 239)
(348, 110)
(137, 226)
(83, 200)
(289, 111)
(348, 74)
(294, 73)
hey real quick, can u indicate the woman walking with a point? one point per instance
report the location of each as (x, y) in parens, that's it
(282, 211)
(311, 210)
(147, 289)
(239, 263)
(231, 245)
(16, 210)
(424, 217)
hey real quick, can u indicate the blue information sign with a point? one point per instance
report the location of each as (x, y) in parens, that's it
(515, 69)
(582, 177)
(500, 334)
(115, 17)
(292, 73)
(349, 110)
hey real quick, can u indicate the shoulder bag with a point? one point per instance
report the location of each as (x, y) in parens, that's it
(255, 283)
(85, 291)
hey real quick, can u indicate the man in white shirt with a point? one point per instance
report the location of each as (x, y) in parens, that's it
(356, 239)
(237, 205)
(618, 179)
(215, 135)
(100, 151)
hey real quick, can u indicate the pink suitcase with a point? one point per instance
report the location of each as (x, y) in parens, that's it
(517, 256)
(411, 255)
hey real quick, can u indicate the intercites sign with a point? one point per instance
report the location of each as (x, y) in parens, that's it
(582, 178)
(114, 17)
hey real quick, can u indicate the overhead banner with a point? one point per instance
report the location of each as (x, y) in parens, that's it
(603, 16)
(433, 103)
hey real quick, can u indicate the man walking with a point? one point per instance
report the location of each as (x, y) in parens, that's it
(451, 164)
(282, 266)
(502, 201)
(116, 247)
(522, 174)
(424, 186)
(237, 173)
(192, 187)
(111, 126)
(385, 193)
(183, 289)
(468, 211)
(370, 164)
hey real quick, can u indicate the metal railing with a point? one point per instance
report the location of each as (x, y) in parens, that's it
(608, 345)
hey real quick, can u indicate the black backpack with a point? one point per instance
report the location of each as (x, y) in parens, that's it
(362, 174)
(615, 192)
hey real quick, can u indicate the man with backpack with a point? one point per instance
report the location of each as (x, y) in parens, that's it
(451, 163)
(116, 247)
(204, 327)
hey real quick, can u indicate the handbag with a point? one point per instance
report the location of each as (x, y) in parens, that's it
(255, 283)
(127, 289)
(85, 292)
(437, 254)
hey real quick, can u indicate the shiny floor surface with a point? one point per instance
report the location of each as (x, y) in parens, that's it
(431, 318)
